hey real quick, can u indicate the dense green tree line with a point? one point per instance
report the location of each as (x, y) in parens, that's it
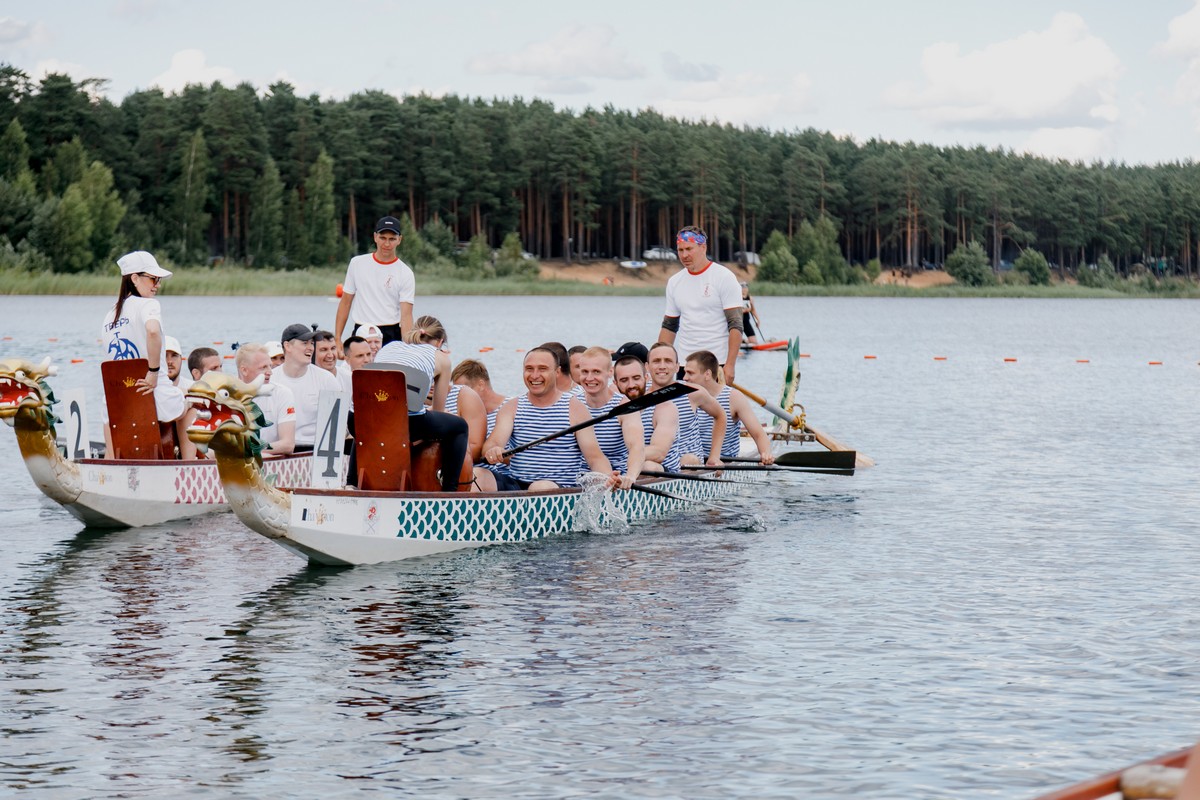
(272, 178)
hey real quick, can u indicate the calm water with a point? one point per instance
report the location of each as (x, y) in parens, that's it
(1007, 602)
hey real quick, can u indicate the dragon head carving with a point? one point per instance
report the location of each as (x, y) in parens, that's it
(24, 393)
(227, 418)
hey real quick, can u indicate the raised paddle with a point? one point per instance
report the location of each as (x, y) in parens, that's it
(793, 421)
(767, 468)
(837, 459)
(633, 406)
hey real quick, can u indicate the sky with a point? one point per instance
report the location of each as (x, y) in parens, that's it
(1086, 80)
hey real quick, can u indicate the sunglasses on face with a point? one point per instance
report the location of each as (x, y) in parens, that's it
(152, 278)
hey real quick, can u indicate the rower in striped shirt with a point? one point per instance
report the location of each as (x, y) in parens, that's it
(543, 410)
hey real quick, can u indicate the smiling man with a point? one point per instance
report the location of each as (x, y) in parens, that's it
(379, 288)
(704, 304)
(305, 379)
(543, 409)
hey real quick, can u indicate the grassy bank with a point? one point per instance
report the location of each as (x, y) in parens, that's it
(322, 281)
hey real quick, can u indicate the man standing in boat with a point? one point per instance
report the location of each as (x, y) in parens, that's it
(379, 289)
(543, 410)
(704, 305)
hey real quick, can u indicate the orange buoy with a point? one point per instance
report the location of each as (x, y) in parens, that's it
(486, 349)
(8, 338)
(52, 339)
(805, 355)
(229, 356)
(939, 358)
(76, 360)
(1010, 361)
(218, 343)
(1156, 363)
(1082, 361)
(520, 349)
(338, 290)
(869, 357)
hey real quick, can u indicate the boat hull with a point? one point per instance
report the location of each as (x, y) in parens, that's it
(347, 528)
(134, 493)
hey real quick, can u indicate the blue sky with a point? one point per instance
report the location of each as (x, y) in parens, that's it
(1078, 80)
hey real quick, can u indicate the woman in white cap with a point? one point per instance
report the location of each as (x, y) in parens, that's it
(133, 329)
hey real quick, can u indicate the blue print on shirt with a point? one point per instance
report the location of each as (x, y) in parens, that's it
(121, 349)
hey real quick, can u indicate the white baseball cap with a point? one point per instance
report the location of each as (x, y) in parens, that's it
(274, 349)
(172, 345)
(369, 332)
(141, 261)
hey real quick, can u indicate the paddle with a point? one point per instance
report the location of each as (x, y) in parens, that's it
(654, 473)
(633, 406)
(661, 493)
(768, 468)
(838, 459)
(792, 420)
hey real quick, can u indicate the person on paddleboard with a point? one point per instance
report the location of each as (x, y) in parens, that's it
(748, 312)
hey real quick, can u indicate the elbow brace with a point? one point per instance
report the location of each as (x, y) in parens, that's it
(672, 324)
(733, 318)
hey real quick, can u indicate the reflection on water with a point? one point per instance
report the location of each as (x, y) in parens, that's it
(1003, 604)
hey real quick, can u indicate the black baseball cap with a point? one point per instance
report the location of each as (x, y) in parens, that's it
(297, 331)
(388, 224)
(635, 349)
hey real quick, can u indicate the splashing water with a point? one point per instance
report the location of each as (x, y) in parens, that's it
(595, 509)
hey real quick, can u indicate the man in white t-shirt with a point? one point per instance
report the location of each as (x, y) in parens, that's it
(704, 305)
(278, 406)
(379, 288)
(305, 379)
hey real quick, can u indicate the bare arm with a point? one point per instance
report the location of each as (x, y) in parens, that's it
(635, 444)
(666, 430)
(709, 405)
(154, 343)
(744, 413)
(441, 381)
(406, 319)
(286, 443)
(494, 446)
(339, 321)
(470, 408)
(586, 439)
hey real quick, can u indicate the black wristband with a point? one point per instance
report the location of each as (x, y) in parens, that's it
(155, 369)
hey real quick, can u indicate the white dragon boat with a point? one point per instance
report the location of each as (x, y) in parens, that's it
(372, 524)
(114, 493)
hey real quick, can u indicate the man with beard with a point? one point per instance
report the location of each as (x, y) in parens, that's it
(660, 423)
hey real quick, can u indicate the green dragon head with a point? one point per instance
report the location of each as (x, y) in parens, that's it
(227, 418)
(25, 395)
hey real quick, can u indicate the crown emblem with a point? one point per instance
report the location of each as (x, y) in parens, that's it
(129, 382)
(382, 396)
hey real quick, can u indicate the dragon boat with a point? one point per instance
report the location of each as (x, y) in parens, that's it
(144, 488)
(1161, 777)
(395, 512)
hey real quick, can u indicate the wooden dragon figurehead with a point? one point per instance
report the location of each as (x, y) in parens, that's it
(25, 397)
(227, 418)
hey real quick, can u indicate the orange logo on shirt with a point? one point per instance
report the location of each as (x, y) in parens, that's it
(290, 410)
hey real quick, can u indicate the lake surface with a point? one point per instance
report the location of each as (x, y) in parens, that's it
(1009, 601)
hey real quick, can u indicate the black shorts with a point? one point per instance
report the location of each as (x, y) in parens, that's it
(507, 483)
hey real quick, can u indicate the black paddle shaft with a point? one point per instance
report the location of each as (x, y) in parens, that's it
(633, 406)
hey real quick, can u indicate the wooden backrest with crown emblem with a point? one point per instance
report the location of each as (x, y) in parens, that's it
(132, 417)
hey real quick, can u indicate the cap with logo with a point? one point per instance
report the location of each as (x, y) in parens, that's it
(388, 224)
(635, 349)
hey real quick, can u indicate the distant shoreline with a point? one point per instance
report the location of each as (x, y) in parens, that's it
(599, 278)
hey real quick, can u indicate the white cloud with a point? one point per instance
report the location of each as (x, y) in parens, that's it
(1073, 144)
(745, 99)
(1059, 77)
(189, 66)
(1183, 34)
(686, 71)
(17, 33)
(582, 51)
